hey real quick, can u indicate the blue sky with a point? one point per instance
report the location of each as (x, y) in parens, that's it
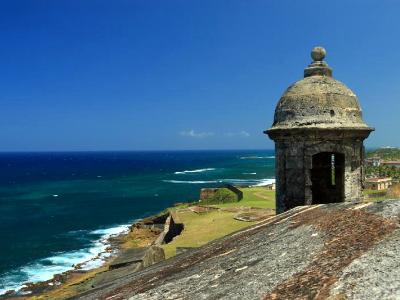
(198, 74)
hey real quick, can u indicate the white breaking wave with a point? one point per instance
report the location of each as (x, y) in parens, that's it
(233, 181)
(44, 269)
(191, 182)
(249, 173)
(257, 157)
(248, 182)
(195, 171)
(264, 182)
(109, 232)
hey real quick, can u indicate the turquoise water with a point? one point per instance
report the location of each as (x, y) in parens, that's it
(57, 209)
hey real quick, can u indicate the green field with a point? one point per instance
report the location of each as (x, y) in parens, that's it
(374, 195)
(254, 197)
(205, 227)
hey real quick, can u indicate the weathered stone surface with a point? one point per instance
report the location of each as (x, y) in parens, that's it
(171, 229)
(145, 256)
(254, 215)
(181, 250)
(375, 275)
(322, 251)
(154, 222)
(128, 262)
(153, 255)
(202, 209)
(128, 257)
(318, 101)
(317, 115)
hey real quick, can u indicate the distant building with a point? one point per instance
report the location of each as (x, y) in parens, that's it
(270, 186)
(373, 161)
(318, 132)
(391, 163)
(378, 183)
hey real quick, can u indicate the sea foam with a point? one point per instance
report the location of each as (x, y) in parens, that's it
(191, 181)
(44, 269)
(195, 171)
(233, 181)
(247, 182)
(257, 157)
(264, 182)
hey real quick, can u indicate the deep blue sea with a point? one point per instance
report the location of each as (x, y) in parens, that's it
(57, 209)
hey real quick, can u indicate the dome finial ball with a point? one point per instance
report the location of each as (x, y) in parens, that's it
(318, 53)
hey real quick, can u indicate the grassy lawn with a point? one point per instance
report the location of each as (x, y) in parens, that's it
(374, 195)
(371, 192)
(203, 228)
(254, 197)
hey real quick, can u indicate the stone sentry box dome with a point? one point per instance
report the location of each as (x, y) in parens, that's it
(318, 132)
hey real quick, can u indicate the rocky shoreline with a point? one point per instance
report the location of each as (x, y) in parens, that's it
(148, 241)
(118, 245)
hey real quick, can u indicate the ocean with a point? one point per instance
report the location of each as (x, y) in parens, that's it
(58, 209)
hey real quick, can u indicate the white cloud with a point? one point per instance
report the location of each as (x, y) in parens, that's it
(193, 134)
(241, 133)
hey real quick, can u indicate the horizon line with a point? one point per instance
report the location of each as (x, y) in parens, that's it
(138, 150)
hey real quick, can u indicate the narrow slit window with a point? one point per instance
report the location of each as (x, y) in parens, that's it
(333, 177)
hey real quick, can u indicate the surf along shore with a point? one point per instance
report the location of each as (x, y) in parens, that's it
(173, 231)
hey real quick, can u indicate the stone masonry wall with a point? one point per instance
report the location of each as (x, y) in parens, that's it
(294, 165)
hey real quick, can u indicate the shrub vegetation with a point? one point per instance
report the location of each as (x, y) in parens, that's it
(221, 196)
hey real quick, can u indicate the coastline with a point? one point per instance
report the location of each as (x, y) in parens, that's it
(110, 250)
(134, 236)
(114, 245)
(53, 229)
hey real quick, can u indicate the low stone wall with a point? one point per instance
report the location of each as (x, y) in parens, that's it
(153, 255)
(207, 193)
(137, 259)
(153, 222)
(171, 229)
(238, 193)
